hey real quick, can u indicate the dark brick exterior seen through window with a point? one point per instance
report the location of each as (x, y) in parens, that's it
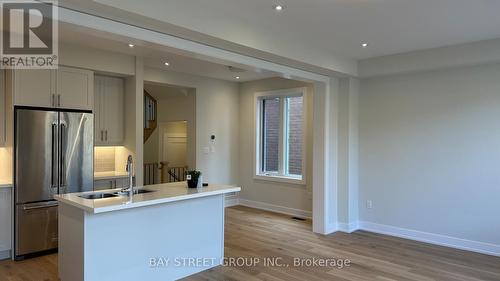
(271, 134)
(271, 128)
(295, 111)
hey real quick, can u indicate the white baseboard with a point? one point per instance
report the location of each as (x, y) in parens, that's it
(230, 202)
(4, 255)
(437, 239)
(347, 227)
(331, 228)
(277, 209)
(427, 237)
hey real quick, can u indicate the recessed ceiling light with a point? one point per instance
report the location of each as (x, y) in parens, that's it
(278, 8)
(167, 64)
(131, 45)
(237, 77)
(364, 45)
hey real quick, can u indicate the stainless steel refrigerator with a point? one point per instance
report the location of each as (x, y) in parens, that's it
(54, 154)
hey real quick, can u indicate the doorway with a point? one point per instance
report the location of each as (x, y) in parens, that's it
(169, 132)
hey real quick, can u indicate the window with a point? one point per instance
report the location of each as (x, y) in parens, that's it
(280, 149)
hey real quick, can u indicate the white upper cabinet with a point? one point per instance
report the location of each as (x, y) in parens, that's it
(109, 110)
(75, 88)
(99, 110)
(3, 108)
(34, 87)
(114, 104)
(66, 87)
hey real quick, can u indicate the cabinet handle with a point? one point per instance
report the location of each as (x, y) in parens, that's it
(58, 100)
(102, 132)
(53, 100)
(106, 135)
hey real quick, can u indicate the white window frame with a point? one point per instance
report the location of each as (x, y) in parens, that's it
(258, 146)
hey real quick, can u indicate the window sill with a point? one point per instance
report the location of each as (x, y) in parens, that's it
(282, 179)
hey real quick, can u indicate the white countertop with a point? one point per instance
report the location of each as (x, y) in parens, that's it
(163, 193)
(109, 175)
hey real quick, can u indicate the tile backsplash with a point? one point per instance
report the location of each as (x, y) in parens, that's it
(110, 158)
(104, 159)
(5, 164)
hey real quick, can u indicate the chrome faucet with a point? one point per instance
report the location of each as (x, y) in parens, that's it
(130, 170)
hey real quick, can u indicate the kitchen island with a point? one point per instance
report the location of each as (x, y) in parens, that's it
(165, 233)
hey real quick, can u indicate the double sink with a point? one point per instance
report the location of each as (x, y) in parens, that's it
(103, 195)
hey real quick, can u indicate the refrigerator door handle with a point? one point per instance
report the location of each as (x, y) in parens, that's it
(53, 176)
(38, 206)
(62, 157)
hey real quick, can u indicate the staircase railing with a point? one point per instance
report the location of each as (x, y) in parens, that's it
(177, 174)
(172, 174)
(150, 115)
(151, 173)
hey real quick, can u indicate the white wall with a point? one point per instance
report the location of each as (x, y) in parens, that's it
(151, 154)
(430, 152)
(134, 125)
(285, 195)
(326, 151)
(348, 154)
(217, 104)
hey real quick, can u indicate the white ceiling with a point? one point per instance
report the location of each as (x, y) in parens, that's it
(330, 27)
(153, 57)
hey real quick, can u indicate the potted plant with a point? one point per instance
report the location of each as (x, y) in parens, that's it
(192, 178)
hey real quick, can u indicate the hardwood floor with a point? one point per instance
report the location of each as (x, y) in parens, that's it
(261, 234)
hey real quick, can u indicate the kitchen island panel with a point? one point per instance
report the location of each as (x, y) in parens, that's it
(144, 243)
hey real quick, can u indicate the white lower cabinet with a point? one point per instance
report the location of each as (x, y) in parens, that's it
(103, 184)
(121, 182)
(5, 222)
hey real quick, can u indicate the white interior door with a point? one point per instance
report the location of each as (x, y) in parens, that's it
(173, 143)
(175, 150)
